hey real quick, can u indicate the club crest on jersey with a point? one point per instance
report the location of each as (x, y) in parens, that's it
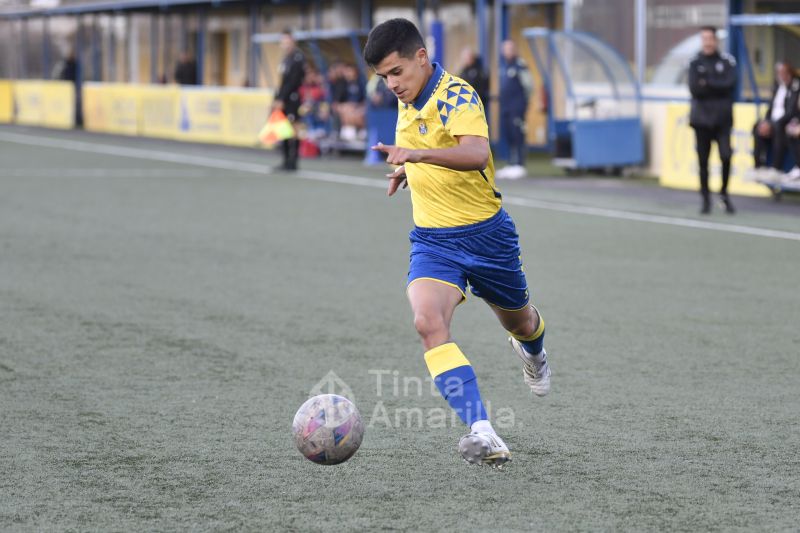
(423, 129)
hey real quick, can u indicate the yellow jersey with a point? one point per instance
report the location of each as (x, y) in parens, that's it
(447, 108)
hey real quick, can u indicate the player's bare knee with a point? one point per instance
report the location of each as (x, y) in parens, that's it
(430, 325)
(523, 329)
(526, 325)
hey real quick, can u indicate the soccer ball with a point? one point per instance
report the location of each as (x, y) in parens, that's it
(328, 429)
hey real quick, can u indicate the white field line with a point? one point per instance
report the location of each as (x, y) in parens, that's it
(243, 166)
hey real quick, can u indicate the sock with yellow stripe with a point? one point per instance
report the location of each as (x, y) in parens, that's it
(533, 344)
(456, 381)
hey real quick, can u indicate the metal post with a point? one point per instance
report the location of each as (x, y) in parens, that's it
(499, 35)
(112, 51)
(569, 16)
(97, 48)
(46, 48)
(255, 48)
(166, 20)
(641, 40)
(132, 45)
(735, 42)
(366, 15)
(483, 40)
(78, 56)
(201, 47)
(184, 32)
(23, 49)
(317, 8)
(154, 48)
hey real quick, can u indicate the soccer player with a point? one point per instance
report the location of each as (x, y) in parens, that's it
(462, 235)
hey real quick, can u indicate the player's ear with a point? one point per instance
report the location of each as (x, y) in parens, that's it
(421, 56)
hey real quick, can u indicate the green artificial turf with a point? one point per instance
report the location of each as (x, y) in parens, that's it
(160, 323)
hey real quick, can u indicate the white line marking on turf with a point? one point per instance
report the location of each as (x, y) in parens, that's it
(656, 219)
(103, 173)
(138, 153)
(242, 166)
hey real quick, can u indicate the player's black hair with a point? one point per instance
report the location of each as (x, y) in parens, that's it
(712, 29)
(394, 35)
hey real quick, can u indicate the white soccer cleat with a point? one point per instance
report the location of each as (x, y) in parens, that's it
(484, 449)
(517, 172)
(511, 172)
(536, 375)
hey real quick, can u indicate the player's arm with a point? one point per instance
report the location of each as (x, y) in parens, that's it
(471, 153)
(698, 84)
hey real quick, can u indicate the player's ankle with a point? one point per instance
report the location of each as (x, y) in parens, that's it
(482, 426)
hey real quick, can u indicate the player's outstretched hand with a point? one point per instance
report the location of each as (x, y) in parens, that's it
(396, 179)
(396, 155)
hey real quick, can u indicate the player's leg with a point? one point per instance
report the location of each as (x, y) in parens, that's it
(496, 274)
(433, 303)
(526, 327)
(725, 155)
(780, 145)
(703, 137)
(761, 147)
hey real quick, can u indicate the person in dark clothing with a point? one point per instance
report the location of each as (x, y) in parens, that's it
(186, 70)
(793, 139)
(336, 82)
(712, 82)
(70, 71)
(472, 72)
(69, 68)
(287, 99)
(769, 134)
(516, 85)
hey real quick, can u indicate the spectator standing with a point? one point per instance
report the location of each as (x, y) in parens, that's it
(186, 70)
(69, 70)
(472, 72)
(516, 86)
(712, 82)
(287, 99)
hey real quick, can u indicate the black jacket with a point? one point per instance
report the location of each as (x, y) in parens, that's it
(790, 104)
(186, 73)
(476, 76)
(293, 70)
(712, 82)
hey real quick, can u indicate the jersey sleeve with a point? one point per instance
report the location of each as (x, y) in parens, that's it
(461, 111)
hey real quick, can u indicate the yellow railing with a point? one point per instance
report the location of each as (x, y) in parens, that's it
(38, 103)
(216, 115)
(205, 114)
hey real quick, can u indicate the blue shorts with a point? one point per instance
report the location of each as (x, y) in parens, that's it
(485, 256)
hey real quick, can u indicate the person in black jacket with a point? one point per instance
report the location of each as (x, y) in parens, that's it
(472, 72)
(770, 132)
(712, 82)
(287, 99)
(186, 70)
